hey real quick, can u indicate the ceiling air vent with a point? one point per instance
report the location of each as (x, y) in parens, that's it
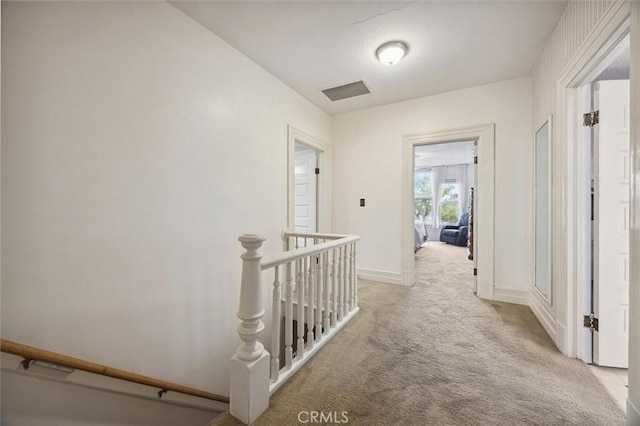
(345, 91)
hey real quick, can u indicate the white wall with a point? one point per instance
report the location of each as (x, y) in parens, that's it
(137, 147)
(367, 163)
(40, 397)
(574, 27)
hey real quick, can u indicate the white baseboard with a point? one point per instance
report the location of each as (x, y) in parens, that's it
(385, 277)
(545, 318)
(561, 340)
(633, 414)
(519, 297)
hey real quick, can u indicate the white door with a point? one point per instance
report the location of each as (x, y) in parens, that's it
(611, 224)
(306, 189)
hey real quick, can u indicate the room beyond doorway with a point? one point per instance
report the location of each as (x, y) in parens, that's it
(443, 184)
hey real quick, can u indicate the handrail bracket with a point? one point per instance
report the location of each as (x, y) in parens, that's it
(26, 362)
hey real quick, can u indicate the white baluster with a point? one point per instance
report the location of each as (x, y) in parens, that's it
(334, 288)
(345, 283)
(275, 327)
(340, 285)
(300, 290)
(250, 365)
(355, 275)
(352, 278)
(318, 306)
(288, 317)
(327, 288)
(347, 262)
(305, 268)
(310, 302)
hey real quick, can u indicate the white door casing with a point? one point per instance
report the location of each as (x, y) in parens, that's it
(584, 222)
(611, 224)
(484, 197)
(305, 189)
(566, 326)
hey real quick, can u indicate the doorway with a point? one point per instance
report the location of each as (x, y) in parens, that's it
(308, 172)
(604, 175)
(483, 204)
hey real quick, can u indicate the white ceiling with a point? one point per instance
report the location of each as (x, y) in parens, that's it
(314, 45)
(444, 154)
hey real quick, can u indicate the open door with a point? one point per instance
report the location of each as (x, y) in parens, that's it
(611, 224)
(306, 188)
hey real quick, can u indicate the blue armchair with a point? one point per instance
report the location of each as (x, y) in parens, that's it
(456, 234)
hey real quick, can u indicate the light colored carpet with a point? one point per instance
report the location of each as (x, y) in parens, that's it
(435, 354)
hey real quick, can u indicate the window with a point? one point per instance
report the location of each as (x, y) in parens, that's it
(449, 207)
(423, 196)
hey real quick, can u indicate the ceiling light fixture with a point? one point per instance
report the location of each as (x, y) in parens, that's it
(392, 52)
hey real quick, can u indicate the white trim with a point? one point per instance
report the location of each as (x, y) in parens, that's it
(324, 182)
(519, 297)
(633, 402)
(603, 37)
(611, 29)
(579, 102)
(484, 201)
(546, 319)
(385, 277)
(633, 414)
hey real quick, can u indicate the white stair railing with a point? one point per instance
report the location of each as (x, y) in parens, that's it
(315, 292)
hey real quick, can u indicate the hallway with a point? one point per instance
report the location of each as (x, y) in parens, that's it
(436, 354)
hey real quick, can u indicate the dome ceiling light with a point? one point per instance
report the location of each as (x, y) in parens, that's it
(392, 52)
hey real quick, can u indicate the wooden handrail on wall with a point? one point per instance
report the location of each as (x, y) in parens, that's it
(32, 353)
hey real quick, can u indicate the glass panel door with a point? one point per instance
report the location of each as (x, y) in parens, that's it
(543, 210)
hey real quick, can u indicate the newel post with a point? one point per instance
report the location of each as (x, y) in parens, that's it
(249, 396)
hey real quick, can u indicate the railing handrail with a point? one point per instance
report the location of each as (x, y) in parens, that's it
(276, 259)
(32, 353)
(325, 236)
(323, 279)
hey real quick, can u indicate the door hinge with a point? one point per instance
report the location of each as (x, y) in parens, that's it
(317, 170)
(475, 272)
(475, 160)
(590, 119)
(591, 322)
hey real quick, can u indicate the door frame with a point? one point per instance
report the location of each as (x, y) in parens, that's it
(567, 166)
(543, 305)
(484, 201)
(323, 195)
